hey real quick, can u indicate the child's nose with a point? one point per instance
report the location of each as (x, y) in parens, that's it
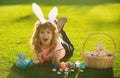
(45, 34)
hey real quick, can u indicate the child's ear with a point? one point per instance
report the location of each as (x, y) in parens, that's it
(38, 12)
(53, 14)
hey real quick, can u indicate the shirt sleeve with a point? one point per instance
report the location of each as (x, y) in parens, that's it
(62, 51)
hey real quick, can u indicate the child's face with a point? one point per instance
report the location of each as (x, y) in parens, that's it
(46, 36)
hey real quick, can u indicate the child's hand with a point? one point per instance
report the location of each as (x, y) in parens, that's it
(40, 54)
(56, 54)
(53, 54)
(36, 61)
(47, 57)
(40, 58)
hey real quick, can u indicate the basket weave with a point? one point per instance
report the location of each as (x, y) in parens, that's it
(96, 61)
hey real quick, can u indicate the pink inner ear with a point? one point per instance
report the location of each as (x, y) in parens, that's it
(52, 14)
(38, 12)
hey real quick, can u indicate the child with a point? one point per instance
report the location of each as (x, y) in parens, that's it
(46, 42)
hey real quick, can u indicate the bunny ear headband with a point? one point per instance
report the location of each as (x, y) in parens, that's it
(38, 12)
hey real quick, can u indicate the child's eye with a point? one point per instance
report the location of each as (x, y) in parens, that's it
(48, 32)
(41, 32)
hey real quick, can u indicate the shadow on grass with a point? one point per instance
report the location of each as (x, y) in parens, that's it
(96, 73)
(45, 71)
(58, 2)
(92, 73)
(23, 18)
(37, 71)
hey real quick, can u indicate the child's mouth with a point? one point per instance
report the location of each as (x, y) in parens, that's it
(45, 39)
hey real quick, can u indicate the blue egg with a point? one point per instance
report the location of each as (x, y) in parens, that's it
(82, 65)
(30, 63)
(23, 66)
(56, 64)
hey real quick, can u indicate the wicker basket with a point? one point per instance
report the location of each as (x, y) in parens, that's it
(96, 61)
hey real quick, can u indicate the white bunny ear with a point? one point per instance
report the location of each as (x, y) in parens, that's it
(52, 14)
(38, 12)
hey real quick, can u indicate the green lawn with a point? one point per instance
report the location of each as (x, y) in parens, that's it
(84, 17)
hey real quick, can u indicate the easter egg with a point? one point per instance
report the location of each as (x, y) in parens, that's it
(47, 57)
(56, 64)
(62, 65)
(82, 65)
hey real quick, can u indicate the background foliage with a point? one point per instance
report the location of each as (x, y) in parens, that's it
(84, 17)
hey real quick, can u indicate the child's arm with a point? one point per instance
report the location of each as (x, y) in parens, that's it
(36, 59)
(35, 54)
(57, 55)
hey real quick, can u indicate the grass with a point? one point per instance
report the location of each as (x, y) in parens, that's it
(84, 17)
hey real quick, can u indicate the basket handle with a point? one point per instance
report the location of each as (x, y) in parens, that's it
(95, 34)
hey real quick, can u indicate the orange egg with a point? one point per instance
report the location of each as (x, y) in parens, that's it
(62, 65)
(46, 57)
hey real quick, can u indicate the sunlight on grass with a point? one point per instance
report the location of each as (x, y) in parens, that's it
(17, 25)
(107, 12)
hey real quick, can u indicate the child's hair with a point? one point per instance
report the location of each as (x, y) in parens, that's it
(35, 40)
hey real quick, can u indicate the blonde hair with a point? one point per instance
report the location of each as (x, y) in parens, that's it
(35, 40)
